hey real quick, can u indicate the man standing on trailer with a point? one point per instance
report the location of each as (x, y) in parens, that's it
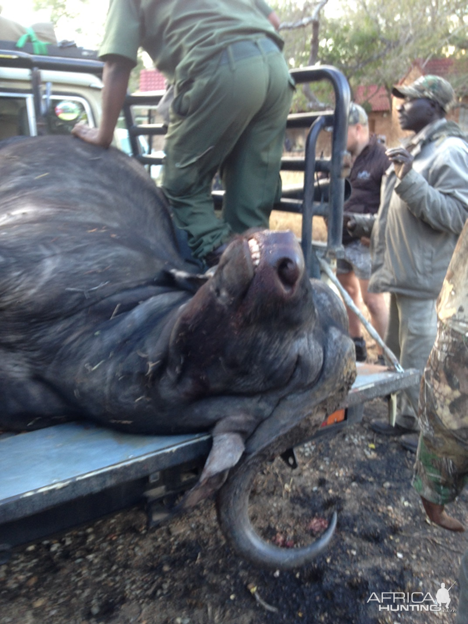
(232, 96)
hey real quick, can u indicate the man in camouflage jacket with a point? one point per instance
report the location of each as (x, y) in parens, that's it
(441, 469)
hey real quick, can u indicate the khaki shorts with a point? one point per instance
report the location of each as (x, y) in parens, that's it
(357, 258)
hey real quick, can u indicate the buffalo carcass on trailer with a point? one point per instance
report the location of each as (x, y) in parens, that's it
(68, 474)
(101, 318)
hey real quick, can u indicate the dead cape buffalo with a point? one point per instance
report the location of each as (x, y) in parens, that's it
(102, 319)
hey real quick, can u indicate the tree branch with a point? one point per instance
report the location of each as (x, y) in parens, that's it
(305, 21)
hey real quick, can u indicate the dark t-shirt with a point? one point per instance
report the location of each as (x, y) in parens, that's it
(365, 178)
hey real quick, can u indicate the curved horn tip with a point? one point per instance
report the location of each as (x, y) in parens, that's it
(233, 516)
(249, 545)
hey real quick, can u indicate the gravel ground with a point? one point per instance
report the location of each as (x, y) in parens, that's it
(116, 571)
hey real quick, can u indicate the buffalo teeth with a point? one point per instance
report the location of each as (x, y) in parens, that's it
(254, 251)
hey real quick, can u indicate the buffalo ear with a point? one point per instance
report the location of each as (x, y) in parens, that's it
(226, 451)
(188, 281)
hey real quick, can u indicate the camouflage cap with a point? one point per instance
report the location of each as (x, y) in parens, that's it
(357, 115)
(430, 87)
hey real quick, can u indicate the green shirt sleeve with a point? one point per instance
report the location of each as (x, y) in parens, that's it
(122, 32)
(263, 7)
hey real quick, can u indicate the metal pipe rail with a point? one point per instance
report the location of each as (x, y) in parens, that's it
(150, 160)
(148, 130)
(24, 60)
(305, 120)
(291, 205)
(298, 164)
(144, 99)
(339, 137)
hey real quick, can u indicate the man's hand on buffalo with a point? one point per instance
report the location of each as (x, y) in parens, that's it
(90, 135)
(115, 78)
(439, 516)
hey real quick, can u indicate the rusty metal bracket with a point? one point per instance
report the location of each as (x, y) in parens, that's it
(166, 488)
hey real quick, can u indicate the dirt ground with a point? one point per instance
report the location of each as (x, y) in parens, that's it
(116, 571)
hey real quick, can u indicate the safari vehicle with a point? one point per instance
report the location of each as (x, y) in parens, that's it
(51, 100)
(69, 474)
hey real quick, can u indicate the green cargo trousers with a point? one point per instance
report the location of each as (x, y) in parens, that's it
(231, 118)
(411, 333)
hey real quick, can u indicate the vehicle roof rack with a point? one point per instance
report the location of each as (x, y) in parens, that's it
(61, 58)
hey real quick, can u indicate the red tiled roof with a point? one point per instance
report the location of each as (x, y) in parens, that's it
(373, 95)
(444, 67)
(452, 69)
(437, 67)
(152, 80)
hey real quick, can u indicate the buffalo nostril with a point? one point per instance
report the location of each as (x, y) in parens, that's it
(289, 272)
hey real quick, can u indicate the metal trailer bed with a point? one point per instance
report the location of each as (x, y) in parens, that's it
(62, 476)
(56, 478)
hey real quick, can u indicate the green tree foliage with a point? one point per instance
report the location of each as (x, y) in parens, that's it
(300, 28)
(60, 9)
(375, 42)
